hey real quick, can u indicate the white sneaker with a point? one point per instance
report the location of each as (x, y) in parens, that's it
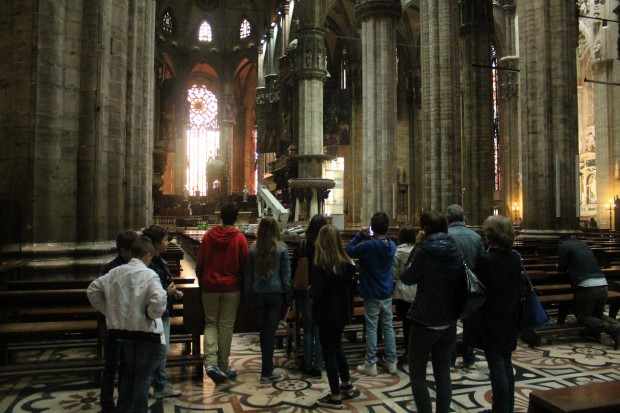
(167, 391)
(390, 367)
(368, 369)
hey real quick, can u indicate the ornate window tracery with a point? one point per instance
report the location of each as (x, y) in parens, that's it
(245, 30)
(203, 137)
(205, 34)
(167, 25)
(496, 144)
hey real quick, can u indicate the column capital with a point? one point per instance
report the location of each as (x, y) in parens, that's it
(378, 8)
(311, 55)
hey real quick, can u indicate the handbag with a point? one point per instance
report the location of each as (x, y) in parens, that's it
(533, 314)
(300, 281)
(475, 293)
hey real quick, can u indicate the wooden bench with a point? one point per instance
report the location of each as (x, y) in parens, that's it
(587, 398)
(55, 318)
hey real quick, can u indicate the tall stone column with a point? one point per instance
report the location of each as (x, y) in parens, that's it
(441, 127)
(510, 146)
(85, 148)
(549, 114)
(378, 19)
(311, 72)
(477, 140)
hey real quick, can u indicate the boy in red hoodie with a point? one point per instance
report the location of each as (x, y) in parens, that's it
(219, 268)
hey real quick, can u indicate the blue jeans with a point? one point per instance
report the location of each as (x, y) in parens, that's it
(375, 312)
(424, 341)
(313, 352)
(268, 314)
(159, 375)
(140, 360)
(502, 382)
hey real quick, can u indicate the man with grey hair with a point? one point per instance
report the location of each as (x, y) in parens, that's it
(471, 246)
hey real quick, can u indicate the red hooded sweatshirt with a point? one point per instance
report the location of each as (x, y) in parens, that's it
(221, 260)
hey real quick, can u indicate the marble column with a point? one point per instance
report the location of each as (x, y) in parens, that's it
(439, 24)
(548, 114)
(379, 185)
(477, 140)
(311, 74)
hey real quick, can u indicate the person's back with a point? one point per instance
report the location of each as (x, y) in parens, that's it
(219, 267)
(375, 254)
(467, 240)
(133, 301)
(576, 257)
(221, 261)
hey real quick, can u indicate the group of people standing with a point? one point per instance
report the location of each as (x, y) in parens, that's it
(423, 277)
(135, 293)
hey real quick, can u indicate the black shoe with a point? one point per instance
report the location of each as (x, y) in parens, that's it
(215, 374)
(347, 392)
(616, 337)
(327, 401)
(316, 373)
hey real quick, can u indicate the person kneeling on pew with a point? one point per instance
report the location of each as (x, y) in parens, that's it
(133, 300)
(590, 288)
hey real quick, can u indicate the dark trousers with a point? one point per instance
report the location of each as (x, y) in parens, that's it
(141, 358)
(589, 306)
(336, 365)
(268, 313)
(502, 382)
(402, 307)
(111, 355)
(425, 342)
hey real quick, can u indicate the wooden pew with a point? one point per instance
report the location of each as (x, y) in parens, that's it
(587, 398)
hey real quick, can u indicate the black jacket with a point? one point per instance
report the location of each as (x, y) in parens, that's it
(576, 257)
(437, 267)
(333, 295)
(495, 326)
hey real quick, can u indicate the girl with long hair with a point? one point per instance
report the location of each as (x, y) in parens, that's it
(332, 289)
(267, 282)
(312, 362)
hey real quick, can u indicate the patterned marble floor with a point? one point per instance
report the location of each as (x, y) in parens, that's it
(568, 361)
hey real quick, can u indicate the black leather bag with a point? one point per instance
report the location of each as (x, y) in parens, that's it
(475, 293)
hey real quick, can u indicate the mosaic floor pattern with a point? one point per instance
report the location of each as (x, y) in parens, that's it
(568, 361)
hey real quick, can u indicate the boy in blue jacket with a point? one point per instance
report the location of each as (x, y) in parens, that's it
(375, 254)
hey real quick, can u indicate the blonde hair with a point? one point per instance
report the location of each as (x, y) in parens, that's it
(329, 253)
(267, 240)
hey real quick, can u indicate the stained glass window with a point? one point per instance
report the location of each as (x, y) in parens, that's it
(203, 137)
(344, 63)
(205, 34)
(245, 29)
(166, 22)
(496, 146)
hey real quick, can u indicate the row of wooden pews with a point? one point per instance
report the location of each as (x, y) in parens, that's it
(47, 314)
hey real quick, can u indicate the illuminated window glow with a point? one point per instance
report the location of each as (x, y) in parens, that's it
(245, 29)
(496, 147)
(203, 137)
(205, 34)
(166, 22)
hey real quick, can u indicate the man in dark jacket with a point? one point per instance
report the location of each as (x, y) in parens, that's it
(219, 268)
(471, 247)
(590, 288)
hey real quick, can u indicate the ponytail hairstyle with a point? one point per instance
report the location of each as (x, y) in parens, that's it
(267, 239)
(330, 254)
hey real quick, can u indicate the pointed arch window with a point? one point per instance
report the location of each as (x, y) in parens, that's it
(205, 34)
(344, 67)
(203, 137)
(496, 144)
(245, 30)
(167, 25)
